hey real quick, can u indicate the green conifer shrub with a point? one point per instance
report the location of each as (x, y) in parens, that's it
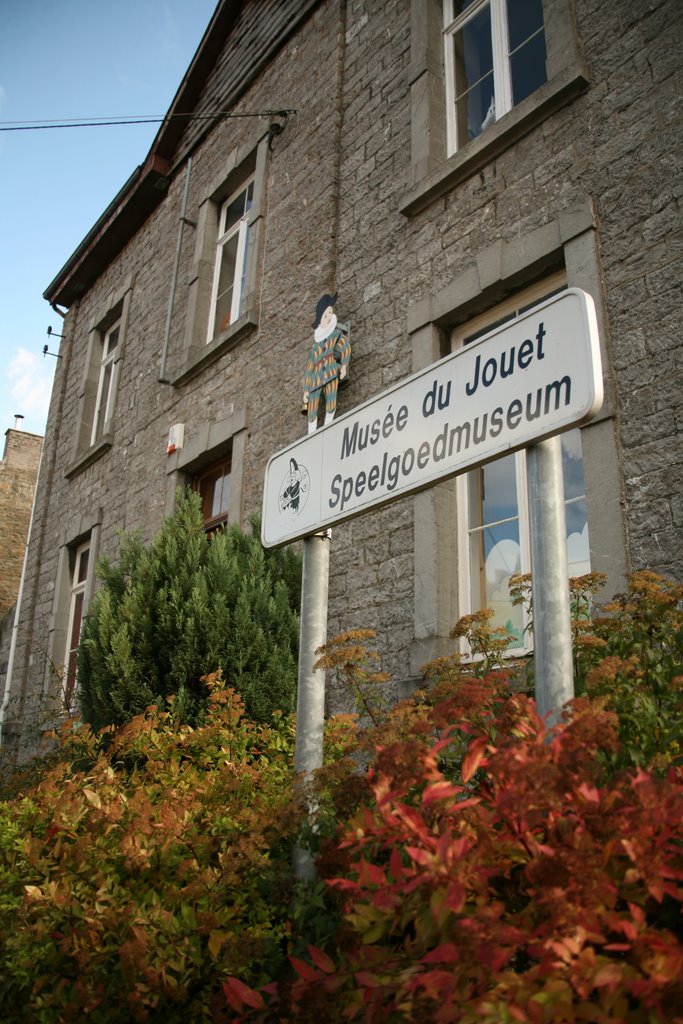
(169, 613)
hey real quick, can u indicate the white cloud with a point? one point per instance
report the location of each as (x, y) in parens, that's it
(31, 384)
(578, 552)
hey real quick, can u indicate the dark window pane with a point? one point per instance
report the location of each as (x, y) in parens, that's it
(461, 5)
(525, 17)
(112, 340)
(473, 55)
(236, 210)
(527, 68)
(82, 569)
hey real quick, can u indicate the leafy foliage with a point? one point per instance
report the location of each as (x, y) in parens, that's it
(473, 867)
(141, 881)
(520, 886)
(490, 871)
(168, 614)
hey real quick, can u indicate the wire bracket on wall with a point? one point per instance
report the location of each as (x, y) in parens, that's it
(277, 127)
(46, 348)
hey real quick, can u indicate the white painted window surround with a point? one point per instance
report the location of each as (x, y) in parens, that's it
(494, 57)
(230, 269)
(493, 514)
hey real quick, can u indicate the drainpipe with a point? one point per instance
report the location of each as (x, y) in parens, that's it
(183, 220)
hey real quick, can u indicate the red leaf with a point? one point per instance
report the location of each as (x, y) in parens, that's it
(303, 969)
(473, 758)
(589, 793)
(396, 865)
(321, 960)
(455, 897)
(367, 979)
(419, 855)
(370, 874)
(446, 953)
(240, 995)
(439, 791)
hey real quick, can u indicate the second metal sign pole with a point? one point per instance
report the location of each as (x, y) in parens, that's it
(549, 575)
(310, 700)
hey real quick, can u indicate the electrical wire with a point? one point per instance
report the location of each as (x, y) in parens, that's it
(23, 126)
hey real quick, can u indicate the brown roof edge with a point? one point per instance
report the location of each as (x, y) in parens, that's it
(148, 183)
(190, 88)
(143, 191)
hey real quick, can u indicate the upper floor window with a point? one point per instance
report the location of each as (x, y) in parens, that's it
(495, 56)
(213, 486)
(493, 511)
(232, 252)
(104, 404)
(107, 331)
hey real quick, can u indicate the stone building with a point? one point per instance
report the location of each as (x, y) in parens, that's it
(440, 164)
(18, 474)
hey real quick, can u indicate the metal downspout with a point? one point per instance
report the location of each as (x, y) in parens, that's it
(163, 379)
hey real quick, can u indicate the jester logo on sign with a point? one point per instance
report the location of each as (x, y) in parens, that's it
(294, 489)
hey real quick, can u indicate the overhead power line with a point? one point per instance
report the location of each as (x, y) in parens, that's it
(97, 122)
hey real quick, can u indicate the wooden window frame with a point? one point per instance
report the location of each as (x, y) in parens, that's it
(224, 464)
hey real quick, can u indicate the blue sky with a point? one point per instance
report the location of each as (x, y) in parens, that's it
(64, 59)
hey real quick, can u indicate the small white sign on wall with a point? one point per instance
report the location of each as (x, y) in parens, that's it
(530, 379)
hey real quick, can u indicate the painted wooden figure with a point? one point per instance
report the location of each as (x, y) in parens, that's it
(328, 362)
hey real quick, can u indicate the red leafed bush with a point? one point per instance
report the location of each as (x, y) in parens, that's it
(514, 884)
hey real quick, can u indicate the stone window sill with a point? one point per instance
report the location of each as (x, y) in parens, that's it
(199, 358)
(87, 458)
(561, 90)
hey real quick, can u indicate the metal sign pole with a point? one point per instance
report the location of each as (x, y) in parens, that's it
(310, 701)
(550, 588)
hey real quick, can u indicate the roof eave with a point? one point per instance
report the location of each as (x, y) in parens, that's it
(148, 184)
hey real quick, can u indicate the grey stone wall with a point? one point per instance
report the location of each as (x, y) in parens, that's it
(18, 473)
(6, 624)
(345, 209)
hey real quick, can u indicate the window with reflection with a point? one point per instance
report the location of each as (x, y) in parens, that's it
(79, 579)
(492, 504)
(495, 56)
(104, 403)
(232, 253)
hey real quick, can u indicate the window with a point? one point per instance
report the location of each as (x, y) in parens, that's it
(101, 367)
(211, 461)
(213, 486)
(492, 501)
(79, 580)
(232, 250)
(104, 404)
(223, 298)
(495, 56)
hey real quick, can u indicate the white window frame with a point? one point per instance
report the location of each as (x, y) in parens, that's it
(241, 229)
(515, 305)
(106, 401)
(502, 78)
(78, 589)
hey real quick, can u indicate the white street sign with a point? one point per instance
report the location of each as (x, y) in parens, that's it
(535, 377)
